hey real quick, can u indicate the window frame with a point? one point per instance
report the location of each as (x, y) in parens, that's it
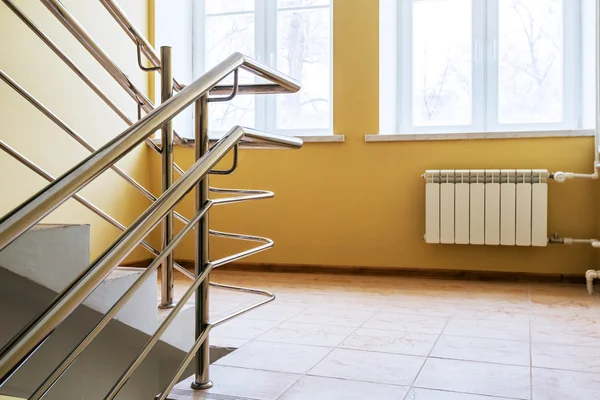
(265, 37)
(484, 70)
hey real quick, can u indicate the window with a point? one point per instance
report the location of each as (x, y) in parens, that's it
(484, 65)
(292, 36)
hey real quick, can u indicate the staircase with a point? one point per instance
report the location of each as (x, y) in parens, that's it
(90, 330)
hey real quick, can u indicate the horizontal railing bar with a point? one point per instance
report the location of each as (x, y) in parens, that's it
(268, 243)
(256, 88)
(16, 351)
(86, 40)
(254, 142)
(244, 310)
(121, 18)
(247, 195)
(85, 342)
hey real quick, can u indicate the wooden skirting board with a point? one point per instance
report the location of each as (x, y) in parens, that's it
(499, 276)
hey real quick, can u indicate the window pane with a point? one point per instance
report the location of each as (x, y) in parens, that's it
(227, 34)
(530, 66)
(226, 6)
(303, 52)
(442, 58)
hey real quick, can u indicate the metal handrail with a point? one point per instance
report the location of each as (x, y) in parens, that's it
(29, 338)
(34, 209)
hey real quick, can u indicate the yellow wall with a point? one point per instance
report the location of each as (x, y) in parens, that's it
(27, 60)
(351, 204)
(362, 204)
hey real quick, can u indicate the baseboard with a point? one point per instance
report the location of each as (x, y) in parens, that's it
(496, 276)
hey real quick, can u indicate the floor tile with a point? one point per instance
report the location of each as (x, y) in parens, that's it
(248, 383)
(482, 349)
(278, 357)
(421, 307)
(491, 329)
(369, 367)
(583, 332)
(319, 388)
(561, 356)
(353, 302)
(221, 307)
(411, 343)
(430, 294)
(551, 384)
(475, 377)
(566, 307)
(333, 316)
(274, 312)
(429, 394)
(308, 334)
(243, 328)
(227, 342)
(406, 322)
(493, 312)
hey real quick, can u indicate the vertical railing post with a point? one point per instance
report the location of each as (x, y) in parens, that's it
(202, 360)
(166, 93)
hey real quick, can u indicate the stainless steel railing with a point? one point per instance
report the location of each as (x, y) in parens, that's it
(15, 353)
(34, 209)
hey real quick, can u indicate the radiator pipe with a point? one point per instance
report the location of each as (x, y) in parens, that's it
(590, 275)
(556, 239)
(560, 176)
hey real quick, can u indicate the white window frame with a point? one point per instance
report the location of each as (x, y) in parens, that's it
(265, 14)
(485, 72)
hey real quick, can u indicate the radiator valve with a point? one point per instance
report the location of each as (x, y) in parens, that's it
(560, 176)
(556, 239)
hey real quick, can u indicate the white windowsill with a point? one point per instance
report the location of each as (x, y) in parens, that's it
(305, 139)
(477, 135)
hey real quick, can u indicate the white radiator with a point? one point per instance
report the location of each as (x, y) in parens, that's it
(495, 207)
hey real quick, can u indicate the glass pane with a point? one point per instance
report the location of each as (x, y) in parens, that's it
(530, 66)
(301, 3)
(304, 52)
(226, 6)
(227, 34)
(442, 58)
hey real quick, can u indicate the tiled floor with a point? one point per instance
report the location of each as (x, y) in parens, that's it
(335, 337)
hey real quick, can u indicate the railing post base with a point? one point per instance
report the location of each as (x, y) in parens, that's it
(201, 386)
